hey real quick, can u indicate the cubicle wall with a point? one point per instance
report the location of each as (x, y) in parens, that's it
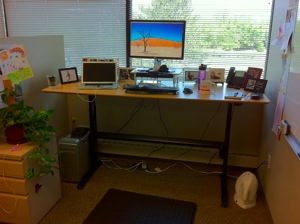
(46, 55)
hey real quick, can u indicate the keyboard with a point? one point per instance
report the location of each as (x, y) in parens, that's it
(150, 89)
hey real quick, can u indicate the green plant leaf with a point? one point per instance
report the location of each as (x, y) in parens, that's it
(37, 129)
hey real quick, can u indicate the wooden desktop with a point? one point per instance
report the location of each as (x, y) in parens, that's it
(217, 94)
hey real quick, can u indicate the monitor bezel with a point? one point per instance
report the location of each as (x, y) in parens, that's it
(99, 62)
(183, 22)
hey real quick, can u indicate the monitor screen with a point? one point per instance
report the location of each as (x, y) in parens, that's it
(99, 72)
(156, 39)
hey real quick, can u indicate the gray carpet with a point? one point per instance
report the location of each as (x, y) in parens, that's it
(177, 183)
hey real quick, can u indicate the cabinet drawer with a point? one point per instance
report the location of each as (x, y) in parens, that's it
(14, 209)
(12, 168)
(13, 186)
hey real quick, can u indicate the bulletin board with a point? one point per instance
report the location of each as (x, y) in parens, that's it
(291, 108)
(288, 100)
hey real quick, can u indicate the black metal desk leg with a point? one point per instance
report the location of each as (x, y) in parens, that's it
(94, 162)
(224, 154)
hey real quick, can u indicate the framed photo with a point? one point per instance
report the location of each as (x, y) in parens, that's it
(256, 85)
(125, 73)
(190, 75)
(215, 74)
(254, 72)
(68, 75)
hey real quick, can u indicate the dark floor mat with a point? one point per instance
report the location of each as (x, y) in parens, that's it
(123, 207)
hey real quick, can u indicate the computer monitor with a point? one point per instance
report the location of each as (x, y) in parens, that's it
(99, 71)
(157, 39)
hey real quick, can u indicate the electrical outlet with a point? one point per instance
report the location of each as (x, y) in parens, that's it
(269, 161)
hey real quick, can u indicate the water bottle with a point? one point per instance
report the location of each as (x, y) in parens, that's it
(201, 74)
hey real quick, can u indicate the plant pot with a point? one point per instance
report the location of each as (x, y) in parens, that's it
(15, 134)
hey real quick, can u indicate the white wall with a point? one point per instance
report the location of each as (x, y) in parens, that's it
(281, 181)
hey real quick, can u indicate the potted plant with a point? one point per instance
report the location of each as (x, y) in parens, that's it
(21, 123)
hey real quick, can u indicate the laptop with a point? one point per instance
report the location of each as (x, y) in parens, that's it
(99, 74)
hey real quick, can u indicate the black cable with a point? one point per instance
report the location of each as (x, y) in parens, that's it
(210, 120)
(212, 157)
(182, 154)
(134, 112)
(161, 119)
(155, 150)
(262, 163)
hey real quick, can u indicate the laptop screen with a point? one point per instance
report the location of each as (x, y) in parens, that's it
(99, 72)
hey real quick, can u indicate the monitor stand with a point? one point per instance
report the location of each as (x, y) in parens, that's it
(157, 64)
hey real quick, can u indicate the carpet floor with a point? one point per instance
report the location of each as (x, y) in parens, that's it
(178, 183)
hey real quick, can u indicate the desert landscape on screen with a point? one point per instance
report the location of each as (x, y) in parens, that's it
(156, 46)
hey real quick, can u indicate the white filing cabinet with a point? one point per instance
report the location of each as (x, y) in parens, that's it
(21, 200)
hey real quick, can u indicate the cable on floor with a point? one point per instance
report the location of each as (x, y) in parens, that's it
(109, 163)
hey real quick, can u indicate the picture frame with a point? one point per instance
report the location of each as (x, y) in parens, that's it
(253, 73)
(68, 75)
(216, 75)
(125, 73)
(190, 75)
(256, 85)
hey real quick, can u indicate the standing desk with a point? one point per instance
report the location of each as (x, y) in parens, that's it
(218, 95)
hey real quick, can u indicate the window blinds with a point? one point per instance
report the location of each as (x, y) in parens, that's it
(218, 33)
(91, 28)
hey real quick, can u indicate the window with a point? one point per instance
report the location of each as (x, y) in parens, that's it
(91, 28)
(218, 33)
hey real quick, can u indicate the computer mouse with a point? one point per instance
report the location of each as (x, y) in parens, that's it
(187, 90)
